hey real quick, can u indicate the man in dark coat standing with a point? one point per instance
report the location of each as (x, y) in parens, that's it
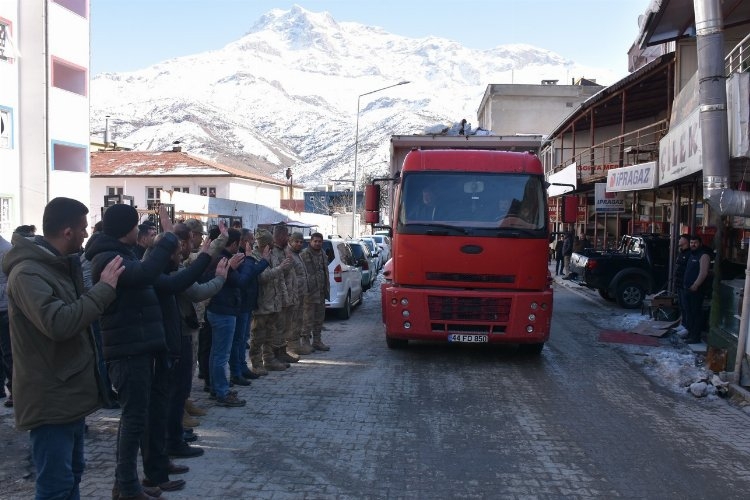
(133, 336)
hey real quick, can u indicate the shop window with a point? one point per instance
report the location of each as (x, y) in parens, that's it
(69, 157)
(70, 77)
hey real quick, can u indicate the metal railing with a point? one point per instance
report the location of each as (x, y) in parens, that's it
(738, 59)
(633, 147)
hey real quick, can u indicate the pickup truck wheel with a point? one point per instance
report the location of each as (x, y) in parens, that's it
(531, 349)
(630, 294)
(603, 293)
(394, 343)
(346, 311)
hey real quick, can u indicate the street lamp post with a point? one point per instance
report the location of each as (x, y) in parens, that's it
(356, 150)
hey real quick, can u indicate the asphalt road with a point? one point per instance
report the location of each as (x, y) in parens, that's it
(440, 421)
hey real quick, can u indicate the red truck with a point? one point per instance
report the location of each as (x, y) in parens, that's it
(469, 245)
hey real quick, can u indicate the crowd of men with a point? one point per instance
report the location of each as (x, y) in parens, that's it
(125, 321)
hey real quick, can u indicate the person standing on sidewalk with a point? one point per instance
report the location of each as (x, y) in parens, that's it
(134, 340)
(280, 252)
(53, 344)
(6, 358)
(683, 249)
(567, 253)
(294, 341)
(559, 256)
(272, 288)
(318, 291)
(694, 281)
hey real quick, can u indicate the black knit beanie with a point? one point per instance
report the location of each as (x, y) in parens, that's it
(119, 220)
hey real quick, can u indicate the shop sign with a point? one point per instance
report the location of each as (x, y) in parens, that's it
(587, 171)
(582, 213)
(680, 150)
(605, 202)
(553, 212)
(632, 178)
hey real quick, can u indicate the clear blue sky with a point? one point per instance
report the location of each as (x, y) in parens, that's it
(131, 34)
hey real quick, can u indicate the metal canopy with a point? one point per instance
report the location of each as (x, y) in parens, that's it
(668, 20)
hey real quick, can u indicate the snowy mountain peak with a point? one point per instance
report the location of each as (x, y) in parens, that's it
(286, 94)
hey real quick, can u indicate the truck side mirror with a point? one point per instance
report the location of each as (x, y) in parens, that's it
(569, 209)
(372, 204)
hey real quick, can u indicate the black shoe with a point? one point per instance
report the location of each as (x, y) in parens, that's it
(239, 380)
(249, 374)
(185, 451)
(189, 438)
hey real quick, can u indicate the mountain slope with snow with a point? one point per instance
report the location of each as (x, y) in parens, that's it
(286, 94)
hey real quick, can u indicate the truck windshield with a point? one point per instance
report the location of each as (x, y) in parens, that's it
(476, 203)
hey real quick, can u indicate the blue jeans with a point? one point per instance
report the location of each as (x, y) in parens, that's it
(7, 355)
(132, 378)
(238, 358)
(57, 452)
(222, 335)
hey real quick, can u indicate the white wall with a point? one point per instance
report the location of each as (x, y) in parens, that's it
(252, 191)
(9, 156)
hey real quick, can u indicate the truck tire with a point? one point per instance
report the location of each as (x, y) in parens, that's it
(630, 294)
(604, 293)
(531, 349)
(346, 311)
(394, 343)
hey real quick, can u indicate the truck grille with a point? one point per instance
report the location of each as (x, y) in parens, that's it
(471, 278)
(496, 310)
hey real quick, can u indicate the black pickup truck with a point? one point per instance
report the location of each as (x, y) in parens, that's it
(639, 266)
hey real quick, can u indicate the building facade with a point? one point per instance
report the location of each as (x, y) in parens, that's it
(44, 105)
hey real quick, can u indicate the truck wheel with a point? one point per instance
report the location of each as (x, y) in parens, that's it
(603, 293)
(531, 349)
(346, 311)
(394, 343)
(630, 294)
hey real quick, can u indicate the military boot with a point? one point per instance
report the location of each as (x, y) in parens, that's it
(274, 365)
(304, 346)
(318, 344)
(284, 356)
(293, 347)
(256, 361)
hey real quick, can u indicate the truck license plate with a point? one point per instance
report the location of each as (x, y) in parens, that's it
(461, 337)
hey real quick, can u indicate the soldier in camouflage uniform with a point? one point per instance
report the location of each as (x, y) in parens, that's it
(284, 329)
(318, 290)
(293, 344)
(271, 293)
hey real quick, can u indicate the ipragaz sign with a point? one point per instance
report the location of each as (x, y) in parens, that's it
(607, 202)
(632, 178)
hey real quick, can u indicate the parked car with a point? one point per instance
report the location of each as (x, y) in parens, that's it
(365, 262)
(374, 251)
(638, 267)
(384, 242)
(344, 276)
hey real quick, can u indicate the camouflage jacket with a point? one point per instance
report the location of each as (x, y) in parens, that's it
(316, 264)
(300, 272)
(272, 292)
(290, 277)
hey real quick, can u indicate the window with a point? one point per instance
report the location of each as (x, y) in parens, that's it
(208, 191)
(111, 190)
(6, 128)
(70, 77)
(7, 50)
(153, 197)
(183, 189)
(5, 215)
(77, 6)
(69, 157)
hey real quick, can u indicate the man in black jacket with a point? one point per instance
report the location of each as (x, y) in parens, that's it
(134, 341)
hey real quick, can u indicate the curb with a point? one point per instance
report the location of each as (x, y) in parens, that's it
(738, 390)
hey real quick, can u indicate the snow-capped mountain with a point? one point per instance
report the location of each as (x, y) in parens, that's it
(286, 94)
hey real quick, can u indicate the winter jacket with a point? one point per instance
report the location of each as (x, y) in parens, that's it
(196, 293)
(249, 293)
(55, 377)
(132, 325)
(316, 264)
(229, 299)
(167, 287)
(272, 288)
(300, 273)
(289, 298)
(4, 247)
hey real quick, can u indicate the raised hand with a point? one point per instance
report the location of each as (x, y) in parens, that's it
(223, 229)
(236, 260)
(266, 253)
(222, 268)
(112, 271)
(166, 223)
(206, 246)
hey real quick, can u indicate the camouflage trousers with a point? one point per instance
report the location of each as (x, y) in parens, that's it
(264, 328)
(296, 326)
(286, 332)
(313, 315)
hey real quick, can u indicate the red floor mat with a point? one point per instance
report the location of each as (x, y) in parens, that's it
(620, 337)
